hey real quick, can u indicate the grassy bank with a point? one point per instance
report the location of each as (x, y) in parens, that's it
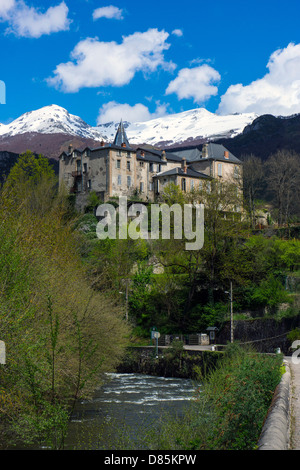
(229, 409)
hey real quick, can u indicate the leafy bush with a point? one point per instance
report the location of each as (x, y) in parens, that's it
(240, 391)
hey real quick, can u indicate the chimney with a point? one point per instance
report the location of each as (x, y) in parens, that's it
(204, 151)
(226, 154)
(102, 143)
(163, 155)
(183, 165)
(142, 153)
(123, 145)
(70, 148)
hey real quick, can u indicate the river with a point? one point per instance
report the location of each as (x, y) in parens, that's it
(124, 411)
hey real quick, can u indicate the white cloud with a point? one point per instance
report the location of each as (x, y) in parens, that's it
(96, 63)
(5, 7)
(177, 32)
(195, 83)
(25, 21)
(114, 111)
(108, 12)
(277, 93)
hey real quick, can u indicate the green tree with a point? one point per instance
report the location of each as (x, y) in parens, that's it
(61, 334)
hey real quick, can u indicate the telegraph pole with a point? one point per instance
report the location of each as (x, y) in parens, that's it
(126, 299)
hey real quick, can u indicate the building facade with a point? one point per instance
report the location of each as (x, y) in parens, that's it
(117, 169)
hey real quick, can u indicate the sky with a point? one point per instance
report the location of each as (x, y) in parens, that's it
(137, 60)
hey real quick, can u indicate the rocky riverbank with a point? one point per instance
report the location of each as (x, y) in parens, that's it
(168, 362)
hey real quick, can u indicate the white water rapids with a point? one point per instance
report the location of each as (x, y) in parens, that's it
(125, 408)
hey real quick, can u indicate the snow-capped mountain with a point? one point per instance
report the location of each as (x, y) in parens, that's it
(187, 126)
(50, 120)
(171, 129)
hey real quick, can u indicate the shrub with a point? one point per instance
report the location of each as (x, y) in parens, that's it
(240, 391)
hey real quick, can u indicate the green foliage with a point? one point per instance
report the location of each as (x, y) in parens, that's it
(29, 168)
(270, 293)
(93, 202)
(54, 324)
(293, 335)
(240, 391)
(211, 314)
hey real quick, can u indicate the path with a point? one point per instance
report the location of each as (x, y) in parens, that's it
(294, 404)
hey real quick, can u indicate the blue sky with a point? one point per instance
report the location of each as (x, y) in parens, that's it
(139, 60)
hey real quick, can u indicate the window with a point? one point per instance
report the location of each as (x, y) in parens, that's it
(151, 167)
(183, 184)
(141, 187)
(150, 186)
(200, 185)
(89, 184)
(128, 166)
(85, 168)
(158, 168)
(118, 164)
(119, 180)
(192, 185)
(236, 171)
(219, 169)
(141, 163)
(208, 187)
(128, 181)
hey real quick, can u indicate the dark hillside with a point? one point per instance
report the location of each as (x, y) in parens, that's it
(265, 136)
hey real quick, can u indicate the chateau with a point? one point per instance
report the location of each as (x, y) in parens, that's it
(117, 169)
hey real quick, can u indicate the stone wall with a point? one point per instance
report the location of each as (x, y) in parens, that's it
(168, 362)
(264, 334)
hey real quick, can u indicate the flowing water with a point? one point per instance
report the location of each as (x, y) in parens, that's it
(124, 410)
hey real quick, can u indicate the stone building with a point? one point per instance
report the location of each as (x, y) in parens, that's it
(117, 169)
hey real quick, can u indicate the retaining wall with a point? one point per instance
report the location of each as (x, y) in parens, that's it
(276, 430)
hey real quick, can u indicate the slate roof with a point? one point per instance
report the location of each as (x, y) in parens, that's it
(214, 151)
(153, 155)
(121, 137)
(190, 172)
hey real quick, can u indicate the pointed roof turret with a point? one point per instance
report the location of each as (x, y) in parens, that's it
(121, 137)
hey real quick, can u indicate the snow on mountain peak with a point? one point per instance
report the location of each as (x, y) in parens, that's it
(170, 129)
(177, 128)
(50, 120)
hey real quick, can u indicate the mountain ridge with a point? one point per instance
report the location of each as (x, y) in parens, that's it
(196, 125)
(51, 129)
